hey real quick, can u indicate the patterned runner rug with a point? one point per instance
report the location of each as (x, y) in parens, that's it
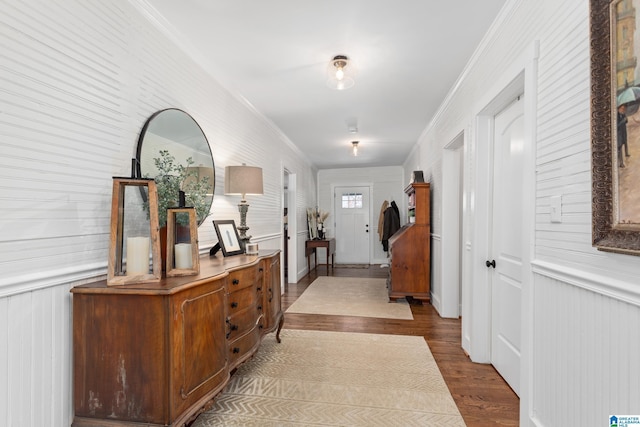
(350, 296)
(316, 378)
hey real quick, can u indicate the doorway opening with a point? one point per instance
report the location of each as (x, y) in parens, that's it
(451, 247)
(289, 265)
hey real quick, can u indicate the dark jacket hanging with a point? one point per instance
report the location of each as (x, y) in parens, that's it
(391, 224)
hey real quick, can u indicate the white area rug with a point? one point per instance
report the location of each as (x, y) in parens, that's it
(350, 296)
(316, 378)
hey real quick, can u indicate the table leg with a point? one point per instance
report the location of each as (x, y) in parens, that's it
(280, 323)
(327, 260)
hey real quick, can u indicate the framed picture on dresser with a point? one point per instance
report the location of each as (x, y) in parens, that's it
(228, 237)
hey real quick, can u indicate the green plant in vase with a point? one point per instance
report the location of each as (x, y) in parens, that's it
(412, 215)
(172, 178)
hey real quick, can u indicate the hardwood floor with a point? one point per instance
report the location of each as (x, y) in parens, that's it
(483, 398)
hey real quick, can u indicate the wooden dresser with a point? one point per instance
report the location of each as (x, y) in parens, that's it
(410, 251)
(158, 354)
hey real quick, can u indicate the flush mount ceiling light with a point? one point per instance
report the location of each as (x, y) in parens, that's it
(354, 147)
(352, 125)
(340, 73)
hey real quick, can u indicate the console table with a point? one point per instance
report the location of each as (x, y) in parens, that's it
(157, 354)
(312, 245)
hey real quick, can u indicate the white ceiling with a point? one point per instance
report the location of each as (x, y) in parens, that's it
(275, 54)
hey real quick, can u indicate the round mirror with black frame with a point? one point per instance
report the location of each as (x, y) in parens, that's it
(173, 149)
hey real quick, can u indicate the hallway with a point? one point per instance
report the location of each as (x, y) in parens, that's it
(482, 396)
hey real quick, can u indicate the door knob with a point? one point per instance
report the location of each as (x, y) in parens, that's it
(491, 263)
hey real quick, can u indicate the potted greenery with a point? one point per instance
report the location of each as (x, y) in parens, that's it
(412, 215)
(170, 180)
(173, 178)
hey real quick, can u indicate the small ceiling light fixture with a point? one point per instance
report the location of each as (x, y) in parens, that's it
(340, 73)
(354, 149)
(352, 125)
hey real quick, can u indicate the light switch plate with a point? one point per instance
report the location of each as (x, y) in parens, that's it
(555, 208)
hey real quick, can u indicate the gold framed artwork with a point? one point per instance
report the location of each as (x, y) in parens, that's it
(615, 125)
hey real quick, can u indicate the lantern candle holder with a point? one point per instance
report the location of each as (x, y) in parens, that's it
(134, 244)
(182, 242)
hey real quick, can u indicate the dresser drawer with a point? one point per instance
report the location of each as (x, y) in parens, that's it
(241, 322)
(244, 278)
(244, 345)
(242, 299)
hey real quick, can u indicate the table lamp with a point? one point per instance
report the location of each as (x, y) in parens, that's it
(243, 180)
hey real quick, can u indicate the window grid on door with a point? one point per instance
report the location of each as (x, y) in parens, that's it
(351, 200)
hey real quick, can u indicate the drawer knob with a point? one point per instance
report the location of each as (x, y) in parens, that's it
(236, 350)
(234, 304)
(236, 281)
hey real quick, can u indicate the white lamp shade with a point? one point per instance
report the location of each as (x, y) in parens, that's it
(242, 180)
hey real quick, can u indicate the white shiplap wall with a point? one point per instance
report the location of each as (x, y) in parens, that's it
(582, 362)
(78, 80)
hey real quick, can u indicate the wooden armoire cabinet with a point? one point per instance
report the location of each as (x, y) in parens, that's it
(410, 249)
(157, 354)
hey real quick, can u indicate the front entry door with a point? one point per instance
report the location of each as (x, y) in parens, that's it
(352, 225)
(507, 242)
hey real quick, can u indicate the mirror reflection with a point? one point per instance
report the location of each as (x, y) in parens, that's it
(174, 151)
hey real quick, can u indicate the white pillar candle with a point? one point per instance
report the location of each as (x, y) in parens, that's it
(137, 256)
(182, 253)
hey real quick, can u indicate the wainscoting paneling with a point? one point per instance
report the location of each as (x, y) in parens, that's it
(600, 360)
(436, 272)
(35, 362)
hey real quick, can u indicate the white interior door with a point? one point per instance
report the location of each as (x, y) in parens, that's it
(352, 225)
(506, 282)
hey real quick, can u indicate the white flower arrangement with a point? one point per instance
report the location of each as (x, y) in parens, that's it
(315, 222)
